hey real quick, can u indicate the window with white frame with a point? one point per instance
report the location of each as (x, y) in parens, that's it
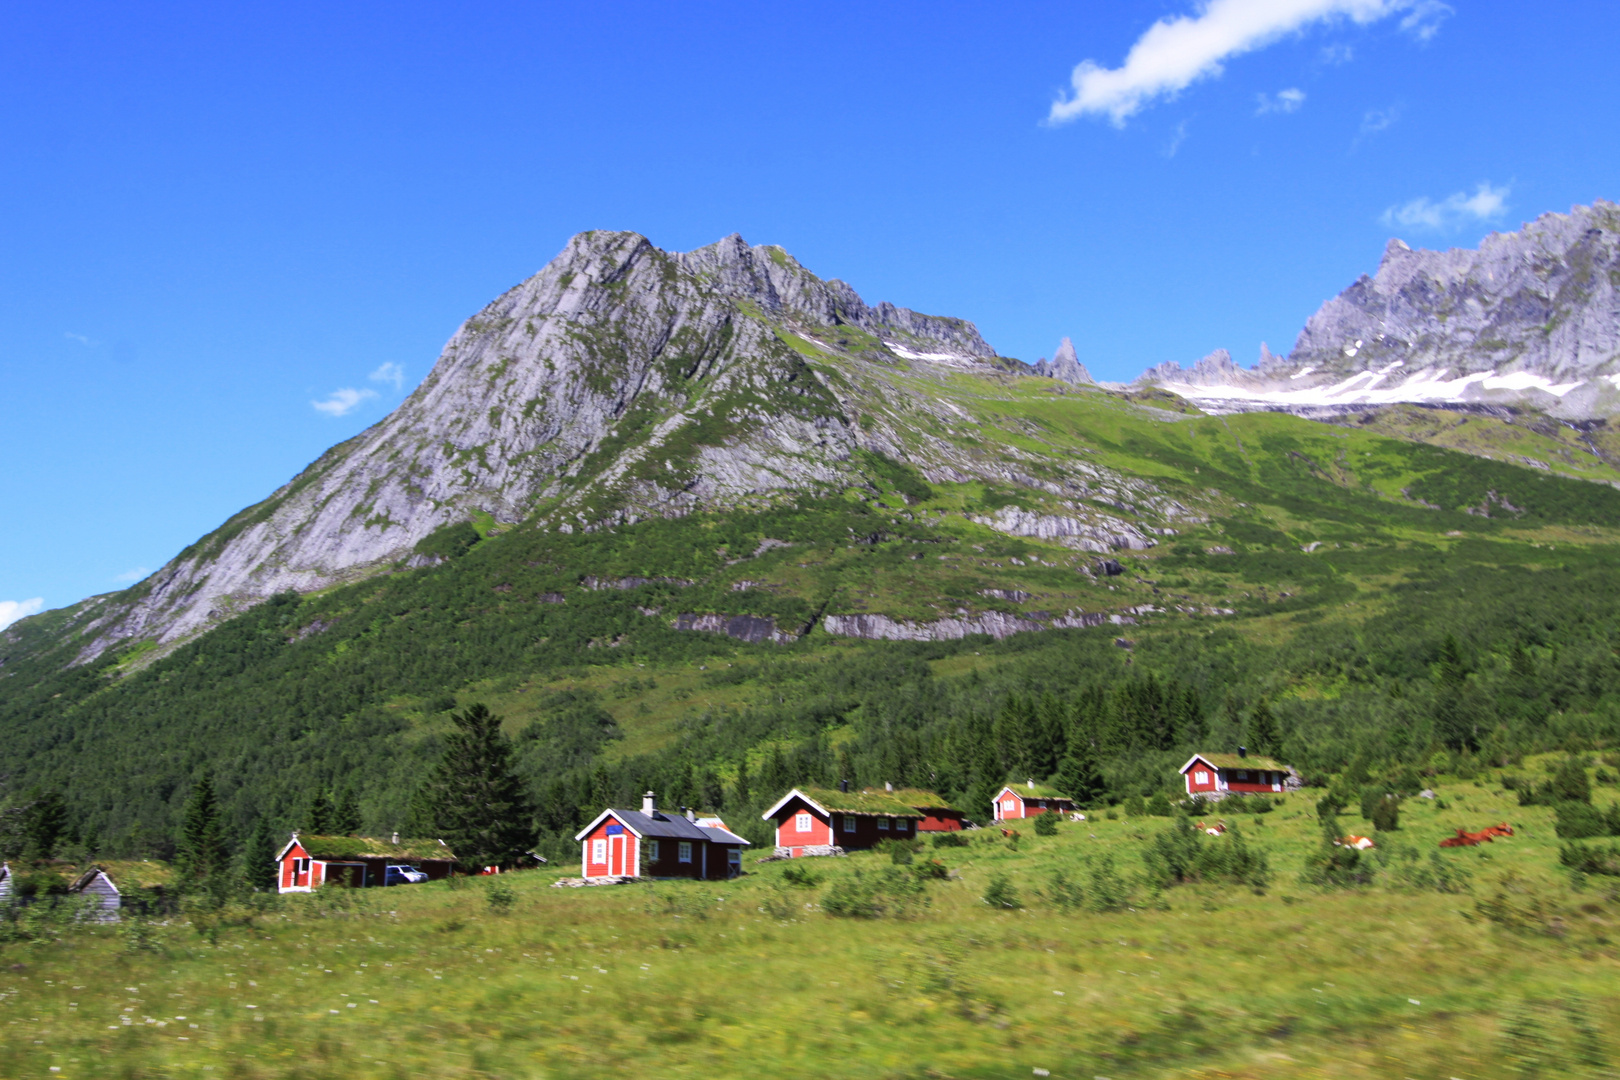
(300, 866)
(1009, 806)
(883, 824)
(900, 824)
(1200, 777)
(652, 850)
(686, 851)
(849, 822)
(801, 821)
(598, 851)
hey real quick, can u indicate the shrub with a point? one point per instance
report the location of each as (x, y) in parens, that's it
(1580, 821)
(800, 876)
(1046, 824)
(931, 870)
(1569, 782)
(950, 839)
(1064, 893)
(870, 896)
(1182, 853)
(1591, 859)
(1109, 891)
(1001, 893)
(899, 851)
(500, 896)
(1135, 807)
(1158, 806)
(1386, 814)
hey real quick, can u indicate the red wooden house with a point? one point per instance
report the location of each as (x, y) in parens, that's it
(819, 821)
(653, 843)
(1215, 775)
(1028, 799)
(308, 862)
(938, 815)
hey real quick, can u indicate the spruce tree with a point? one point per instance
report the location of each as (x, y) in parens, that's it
(258, 866)
(319, 819)
(1262, 729)
(477, 799)
(47, 824)
(739, 789)
(773, 777)
(1079, 779)
(201, 857)
(346, 812)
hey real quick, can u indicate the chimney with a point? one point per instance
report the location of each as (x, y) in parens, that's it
(1029, 784)
(887, 786)
(691, 815)
(1243, 751)
(396, 839)
(843, 785)
(647, 804)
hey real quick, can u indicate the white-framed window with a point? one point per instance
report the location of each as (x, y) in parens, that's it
(900, 824)
(1009, 806)
(801, 821)
(686, 851)
(734, 856)
(598, 851)
(300, 866)
(883, 824)
(1200, 777)
(849, 822)
(1243, 774)
(652, 850)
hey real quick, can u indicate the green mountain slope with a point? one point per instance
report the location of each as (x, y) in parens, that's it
(1318, 568)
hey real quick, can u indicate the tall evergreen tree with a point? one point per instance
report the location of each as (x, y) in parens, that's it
(740, 795)
(774, 781)
(477, 799)
(201, 855)
(346, 812)
(258, 866)
(1262, 733)
(319, 819)
(47, 826)
(1079, 779)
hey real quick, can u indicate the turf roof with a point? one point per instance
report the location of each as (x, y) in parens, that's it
(365, 847)
(1234, 761)
(874, 803)
(1039, 791)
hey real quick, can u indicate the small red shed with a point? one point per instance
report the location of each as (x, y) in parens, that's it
(308, 862)
(1220, 774)
(938, 815)
(818, 821)
(1028, 799)
(653, 843)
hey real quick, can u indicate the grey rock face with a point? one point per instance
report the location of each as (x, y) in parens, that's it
(1065, 366)
(686, 360)
(1530, 318)
(994, 623)
(750, 628)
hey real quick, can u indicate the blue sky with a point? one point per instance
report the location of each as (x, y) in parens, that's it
(233, 237)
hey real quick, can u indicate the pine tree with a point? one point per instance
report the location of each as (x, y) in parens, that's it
(47, 824)
(773, 778)
(1079, 779)
(346, 812)
(739, 789)
(201, 858)
(477, 799)
(258, 866)
(1262, 729)
(319, 819)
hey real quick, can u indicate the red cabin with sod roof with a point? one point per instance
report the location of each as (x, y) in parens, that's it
(819, 821)
(308, 862)
(1028, 799)
(1221, 774)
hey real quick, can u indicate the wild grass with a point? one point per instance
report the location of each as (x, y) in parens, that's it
(1516, 976)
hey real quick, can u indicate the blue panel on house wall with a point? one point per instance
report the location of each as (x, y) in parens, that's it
(615, 830)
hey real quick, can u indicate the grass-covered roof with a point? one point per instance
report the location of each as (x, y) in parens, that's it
(1237, 761)
(921, 799)
(1027, 790)
(365, 847)
(137, 873)
(873, 803)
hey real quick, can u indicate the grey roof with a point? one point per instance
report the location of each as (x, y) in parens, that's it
(673, 827)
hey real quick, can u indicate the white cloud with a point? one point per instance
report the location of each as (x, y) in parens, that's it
(12, 610)
(80, 338)
(1337, 54)
(389, 373)
(1178, 135)
(1423, 21)
(1485, 204)
(1286, 101)
(1375, 120)
(133, 575)
(1175, 52)
(344, 401)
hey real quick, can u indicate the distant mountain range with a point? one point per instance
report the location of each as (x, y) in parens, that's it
(1529, 320)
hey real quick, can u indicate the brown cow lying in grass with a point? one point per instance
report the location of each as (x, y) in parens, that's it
(1484, 836)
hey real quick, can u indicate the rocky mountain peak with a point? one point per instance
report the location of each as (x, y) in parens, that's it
(1064, 366)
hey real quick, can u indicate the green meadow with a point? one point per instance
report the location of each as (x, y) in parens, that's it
(1476, 962)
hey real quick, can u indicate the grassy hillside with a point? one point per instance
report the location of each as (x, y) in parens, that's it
(1485, 962)
(1345, 561)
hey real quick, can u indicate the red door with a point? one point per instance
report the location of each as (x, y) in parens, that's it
(616, 849)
